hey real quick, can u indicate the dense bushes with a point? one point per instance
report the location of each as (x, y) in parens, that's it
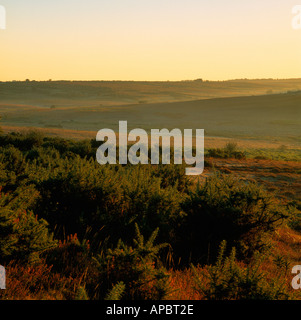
(225, 208)
(229, 151)
(133, 273)
(55, 186)
(22, 235)
(229, 279)
(75, 194)
(82, 197)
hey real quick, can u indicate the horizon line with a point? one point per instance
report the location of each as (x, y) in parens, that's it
(183, 80)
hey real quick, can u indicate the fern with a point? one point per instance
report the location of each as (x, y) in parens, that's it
(116, 292)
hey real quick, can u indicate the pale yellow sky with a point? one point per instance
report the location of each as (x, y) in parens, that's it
(149, 40)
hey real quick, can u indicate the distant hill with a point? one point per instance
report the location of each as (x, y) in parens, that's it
(275, 117)
(107, 93)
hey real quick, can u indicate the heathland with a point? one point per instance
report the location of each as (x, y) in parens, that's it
(252, 110)
(72, 229)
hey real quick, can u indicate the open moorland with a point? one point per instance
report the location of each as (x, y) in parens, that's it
(72, 229)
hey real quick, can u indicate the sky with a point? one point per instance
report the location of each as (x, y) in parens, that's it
(149, 40)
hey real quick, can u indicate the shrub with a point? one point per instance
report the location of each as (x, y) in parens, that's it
(229, 151)
(22, 235)
(13, 159)
(225, 208)
(133, 273)
(81, 195)
(25, 141)
(72, 259)
(173, 176)
(230, 280)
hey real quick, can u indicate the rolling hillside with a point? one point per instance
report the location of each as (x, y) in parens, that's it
(275, 117)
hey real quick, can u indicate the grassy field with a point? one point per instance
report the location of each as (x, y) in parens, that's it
(80, 109)
(108, 93)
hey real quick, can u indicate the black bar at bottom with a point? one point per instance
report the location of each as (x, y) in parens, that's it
(146, 309)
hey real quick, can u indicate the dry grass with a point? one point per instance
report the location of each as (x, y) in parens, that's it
(182, 285)
(271, 119)
(210, 142)
(36, 283)
(280, 177)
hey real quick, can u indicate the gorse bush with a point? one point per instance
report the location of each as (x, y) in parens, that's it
(230, 280)
(73, 259)
(23, 236)
(102, 203)
(225, 208)
(82, 197)
(70, 258)
(134, 272)
(229, 151)
(23, 142)
(77, 195)
(13, 159)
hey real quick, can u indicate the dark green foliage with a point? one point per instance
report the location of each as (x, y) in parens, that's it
(172, 176)
(14, 159)
(225, 208)
(23, 142)
(230, 280)
(79, 196)
(22, 235)
(70, 257)
(102, 203)
(52, 185)
(134, 273)
(229, 151)
(73, 259)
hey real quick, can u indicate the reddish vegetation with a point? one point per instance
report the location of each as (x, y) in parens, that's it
(280, 177)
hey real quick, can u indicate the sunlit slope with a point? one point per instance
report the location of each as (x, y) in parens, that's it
(270, 117)
(107, 93)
